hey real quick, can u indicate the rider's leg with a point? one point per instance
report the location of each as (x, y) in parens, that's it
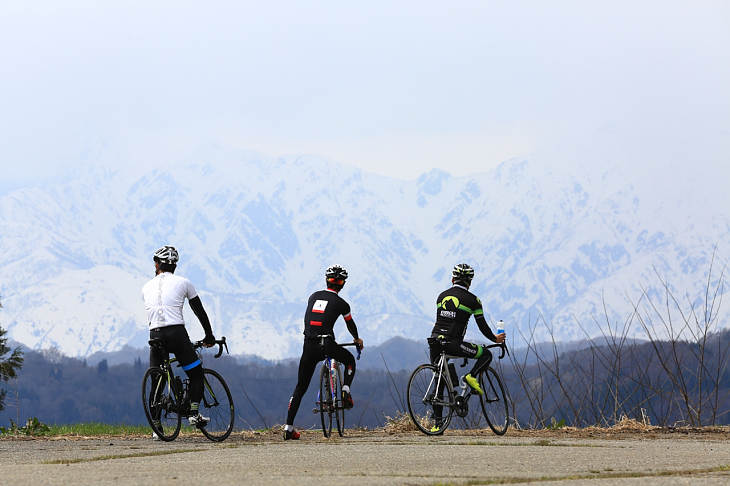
(482, 362)
(457, 347)
(346, 358)
(178, 341)
(311, 355)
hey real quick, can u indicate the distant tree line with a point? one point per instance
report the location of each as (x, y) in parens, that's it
(679, 375)
(594, 386)
(63, 390)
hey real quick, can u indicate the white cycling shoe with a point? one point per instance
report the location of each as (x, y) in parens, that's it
(198, 420)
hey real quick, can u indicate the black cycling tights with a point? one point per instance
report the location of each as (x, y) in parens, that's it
(177, 342)
(458, 347)
(312, 354)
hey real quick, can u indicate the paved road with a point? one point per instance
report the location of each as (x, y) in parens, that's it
(368, 460)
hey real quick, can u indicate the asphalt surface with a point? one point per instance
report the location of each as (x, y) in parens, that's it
(369, 459)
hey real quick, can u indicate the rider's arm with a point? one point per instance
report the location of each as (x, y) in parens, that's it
(352, 327)
(484, 327)
(200, 313)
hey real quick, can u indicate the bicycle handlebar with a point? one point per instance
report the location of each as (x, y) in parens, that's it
(359, 349)
(220, 342)
(499, 345)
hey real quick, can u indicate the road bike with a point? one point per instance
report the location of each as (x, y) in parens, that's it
(329, 397)
(166, 401)
(432, 400)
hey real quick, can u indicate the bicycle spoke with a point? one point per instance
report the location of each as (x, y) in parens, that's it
(429, 400)
(217, 404)
(160, 405)
(494, 401)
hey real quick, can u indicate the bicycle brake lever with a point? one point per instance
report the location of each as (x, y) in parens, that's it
(464, 363)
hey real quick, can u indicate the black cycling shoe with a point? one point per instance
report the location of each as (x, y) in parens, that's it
(347, 400)
(291, 435)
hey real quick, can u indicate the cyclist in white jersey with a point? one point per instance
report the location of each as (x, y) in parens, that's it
(164, 297)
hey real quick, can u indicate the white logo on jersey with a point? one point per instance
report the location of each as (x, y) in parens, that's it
(319, 306)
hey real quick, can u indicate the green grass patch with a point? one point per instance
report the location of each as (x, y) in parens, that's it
(96, 428)
(99, 429)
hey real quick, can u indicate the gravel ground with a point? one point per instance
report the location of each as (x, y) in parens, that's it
(566, 457)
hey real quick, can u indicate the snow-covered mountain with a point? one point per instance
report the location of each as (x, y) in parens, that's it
(255, 234)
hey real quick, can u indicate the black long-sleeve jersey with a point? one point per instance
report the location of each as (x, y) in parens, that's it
(453, 309)
(323, 309)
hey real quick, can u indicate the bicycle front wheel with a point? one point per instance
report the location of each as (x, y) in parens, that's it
(430, 400)
(217, 404)
(161, 406)
(326, 406)
(494, 401)
(337, 399)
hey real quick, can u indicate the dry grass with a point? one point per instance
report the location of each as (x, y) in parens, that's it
(398, 424)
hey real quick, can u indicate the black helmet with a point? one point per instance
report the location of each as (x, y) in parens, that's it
(463, 273)
(167, 254)
(336, 272)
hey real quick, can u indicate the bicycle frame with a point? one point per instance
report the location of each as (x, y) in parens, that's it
(170, 384)
(432, 391)
(334, 369)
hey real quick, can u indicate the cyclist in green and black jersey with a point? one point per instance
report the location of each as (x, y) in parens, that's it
(453, 309)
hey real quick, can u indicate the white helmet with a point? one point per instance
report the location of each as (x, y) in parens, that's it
(167, 254)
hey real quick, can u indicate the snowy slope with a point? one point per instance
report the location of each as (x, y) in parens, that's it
(255, 234)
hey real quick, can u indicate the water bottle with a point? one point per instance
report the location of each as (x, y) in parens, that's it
(500, 327)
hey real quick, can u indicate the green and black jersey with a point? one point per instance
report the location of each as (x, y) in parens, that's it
(453, 309)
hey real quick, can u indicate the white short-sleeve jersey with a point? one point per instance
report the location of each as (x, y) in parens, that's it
(164, 297)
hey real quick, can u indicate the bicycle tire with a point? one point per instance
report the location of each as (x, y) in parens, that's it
(325, 401)
(216, 404)
(161, 404)
(339, 404)
(494, 401)
(422, 393)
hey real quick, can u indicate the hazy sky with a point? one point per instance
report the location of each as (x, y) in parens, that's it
(393, 87)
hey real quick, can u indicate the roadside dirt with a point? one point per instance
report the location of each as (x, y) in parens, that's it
(632, 454)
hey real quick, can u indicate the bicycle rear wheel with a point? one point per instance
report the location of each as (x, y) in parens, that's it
(430, 400)
(161, 406)
(325, 401)
(494, 401)
(217, 404)
(339, 405)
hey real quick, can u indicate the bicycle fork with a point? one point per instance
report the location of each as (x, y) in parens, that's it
(332, 367)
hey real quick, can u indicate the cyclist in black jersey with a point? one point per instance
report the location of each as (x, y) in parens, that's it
(323, 310)
(453, 309)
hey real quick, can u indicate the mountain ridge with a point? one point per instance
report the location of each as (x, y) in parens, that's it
(255, 234)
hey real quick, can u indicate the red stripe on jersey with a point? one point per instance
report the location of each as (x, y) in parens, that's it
(318, 311)
(348, 317)
(315, 323)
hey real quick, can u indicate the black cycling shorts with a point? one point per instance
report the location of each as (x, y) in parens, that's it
(177, 342)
